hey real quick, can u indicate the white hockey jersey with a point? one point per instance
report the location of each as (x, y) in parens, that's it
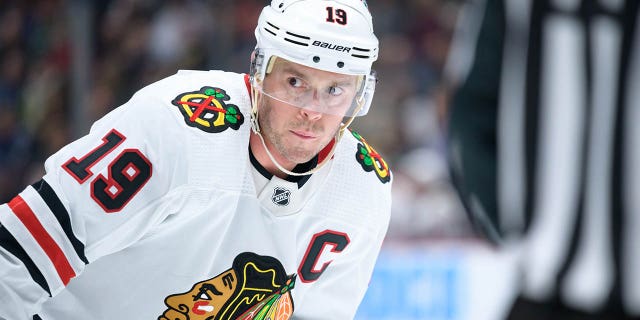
(159, 213)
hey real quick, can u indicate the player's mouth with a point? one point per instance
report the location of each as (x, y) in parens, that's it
(304, 135)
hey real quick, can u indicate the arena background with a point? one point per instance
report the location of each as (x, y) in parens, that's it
(64, 64)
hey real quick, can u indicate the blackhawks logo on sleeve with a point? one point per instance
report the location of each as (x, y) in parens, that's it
(206, 110)
(370, 160)
(254, 288)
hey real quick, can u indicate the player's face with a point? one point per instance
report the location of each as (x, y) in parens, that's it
(299, 132)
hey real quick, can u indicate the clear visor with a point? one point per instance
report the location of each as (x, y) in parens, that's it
(312, 89)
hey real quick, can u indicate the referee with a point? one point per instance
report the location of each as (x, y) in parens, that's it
(544, 129)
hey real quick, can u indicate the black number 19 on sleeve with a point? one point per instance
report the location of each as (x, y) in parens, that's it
(127, 173)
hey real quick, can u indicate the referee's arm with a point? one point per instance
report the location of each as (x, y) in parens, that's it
(472, 117)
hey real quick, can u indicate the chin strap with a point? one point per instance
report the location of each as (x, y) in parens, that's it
(255, 127)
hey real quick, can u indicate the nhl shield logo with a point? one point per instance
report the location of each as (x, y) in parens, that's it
(281, 196)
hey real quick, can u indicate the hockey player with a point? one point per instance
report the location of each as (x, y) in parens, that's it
(215, 195)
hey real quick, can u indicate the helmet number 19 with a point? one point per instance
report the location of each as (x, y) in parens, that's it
(338, 16)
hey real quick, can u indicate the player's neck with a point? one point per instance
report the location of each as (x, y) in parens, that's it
(261, 155)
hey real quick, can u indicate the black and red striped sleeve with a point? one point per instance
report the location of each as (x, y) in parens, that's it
(39, 252)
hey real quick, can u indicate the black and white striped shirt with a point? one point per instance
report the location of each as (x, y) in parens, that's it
(545, 142)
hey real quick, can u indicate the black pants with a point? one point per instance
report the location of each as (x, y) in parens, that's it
(525, 309)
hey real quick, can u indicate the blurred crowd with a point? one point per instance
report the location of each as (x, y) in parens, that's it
(132, 43)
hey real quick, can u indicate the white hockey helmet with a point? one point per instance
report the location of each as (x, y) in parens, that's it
(330, 35)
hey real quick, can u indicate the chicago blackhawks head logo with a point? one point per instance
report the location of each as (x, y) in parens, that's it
(255, 288)
(370, 160)
(206, 110)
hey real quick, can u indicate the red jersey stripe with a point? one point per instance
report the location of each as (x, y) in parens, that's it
(247, 83)
(50, 247)
(325, 151)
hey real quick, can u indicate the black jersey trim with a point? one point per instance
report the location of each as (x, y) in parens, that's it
(258, 166)
(9, 243)
(301, 167)
(62, 215)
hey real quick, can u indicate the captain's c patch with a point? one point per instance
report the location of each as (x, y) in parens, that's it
(206, 110)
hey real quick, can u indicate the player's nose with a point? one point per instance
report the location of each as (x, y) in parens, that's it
(311, 114)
